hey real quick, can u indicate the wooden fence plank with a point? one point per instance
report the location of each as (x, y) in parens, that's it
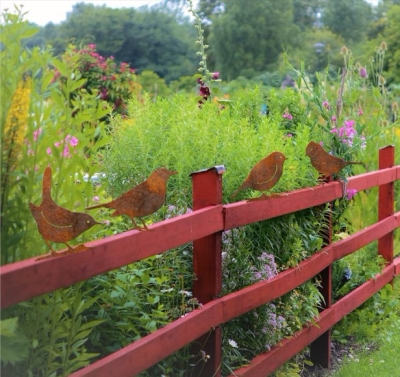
(386, 203)
(184, 330)
(396, 263)
(139, 356)
(243, 213)
(29, 278)
(251, 297)
(207, 268)
(374, 178)
(266, 363)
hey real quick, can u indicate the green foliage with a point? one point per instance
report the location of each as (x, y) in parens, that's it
(152, 39)
(248, 40)
(53, 132)
(371, 318)
(52, 331)
(140, 298)
(98, 75)
(14, 345)
(209, 136)
(347, 18)
(56, 328)
(379, 351)
(153, 84)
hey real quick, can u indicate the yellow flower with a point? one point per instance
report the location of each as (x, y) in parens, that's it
(16, 123)
(17, 116)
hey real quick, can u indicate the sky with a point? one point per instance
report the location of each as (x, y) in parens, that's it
(42, 12)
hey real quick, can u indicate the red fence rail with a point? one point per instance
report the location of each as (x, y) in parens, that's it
(204, 226)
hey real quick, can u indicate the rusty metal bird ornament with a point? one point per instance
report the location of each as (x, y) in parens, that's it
(58, 224)
(325, 163)
(265, 174)
(142, 200)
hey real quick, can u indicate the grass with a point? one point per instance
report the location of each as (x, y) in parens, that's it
(382, 362)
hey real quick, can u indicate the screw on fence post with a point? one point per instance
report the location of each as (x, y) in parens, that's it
(386, 203)
(320, 348)
(207, 265)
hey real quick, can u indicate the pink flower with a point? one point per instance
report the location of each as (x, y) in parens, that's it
(349, 123)
(215, 75)
(360, 111)
(48, 151)
(73, 141)
(286, 115)
(333, 118)
(36, 134)
(57, 144)
(66, 152)
(350, 193)
(96, 199)
(363, 72)
(326, 105)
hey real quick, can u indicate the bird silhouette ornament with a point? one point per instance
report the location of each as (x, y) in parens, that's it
(325, 163)
(142, 200)
(264, 175)
(58, 224)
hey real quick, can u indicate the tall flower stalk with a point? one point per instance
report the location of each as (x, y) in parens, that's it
(14, 132)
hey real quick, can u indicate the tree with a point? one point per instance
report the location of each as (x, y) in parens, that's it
(246, 40)
(347, 18)
(159, 38)
(307, 13)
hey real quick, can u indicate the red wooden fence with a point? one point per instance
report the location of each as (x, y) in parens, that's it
(204, 226)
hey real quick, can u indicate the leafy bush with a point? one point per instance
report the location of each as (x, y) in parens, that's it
(98, 75)
(201, 138)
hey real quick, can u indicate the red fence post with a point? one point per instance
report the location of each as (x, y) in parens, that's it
(386, 203)
(320, 348)
(207, 265)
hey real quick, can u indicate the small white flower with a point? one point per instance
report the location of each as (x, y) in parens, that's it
(186, 293)
(232, 343)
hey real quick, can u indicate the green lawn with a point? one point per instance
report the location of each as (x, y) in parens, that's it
(383, 362)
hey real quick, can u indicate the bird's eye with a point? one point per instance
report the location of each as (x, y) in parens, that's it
(88, 222)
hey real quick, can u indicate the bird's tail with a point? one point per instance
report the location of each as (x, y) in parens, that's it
(98, 206)
(46, 185)
(241, 187)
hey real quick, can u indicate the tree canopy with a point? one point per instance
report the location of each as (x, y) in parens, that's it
(244, 40)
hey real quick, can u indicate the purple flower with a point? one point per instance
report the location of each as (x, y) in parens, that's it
(66, 152)
(215, 75)
(363, 73)
(326, 105)
(36, 134)
(349, 123)
(287, 115)
(333, 118)
(350, 193)
(73, 141)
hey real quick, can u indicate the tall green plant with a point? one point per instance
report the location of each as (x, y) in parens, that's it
(39, 128)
